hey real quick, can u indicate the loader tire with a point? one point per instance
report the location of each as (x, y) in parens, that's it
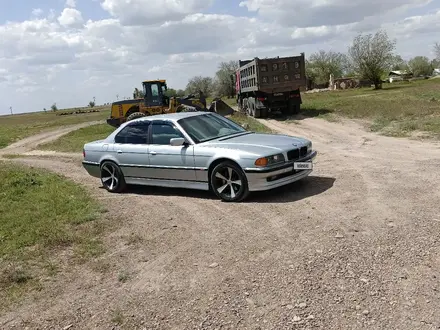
(186, 108)
(135, 115)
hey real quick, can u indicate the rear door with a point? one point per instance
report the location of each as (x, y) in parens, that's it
(131, 149)
(166, 161)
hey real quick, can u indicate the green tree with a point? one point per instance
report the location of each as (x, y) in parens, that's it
(199, 83)
(91, 104)
(420, 66)
(437, 51)
(171, 92)
(54, 107)
(371, 56)
(322, 64)
(223, 84)
(138, 94)
(398, 63)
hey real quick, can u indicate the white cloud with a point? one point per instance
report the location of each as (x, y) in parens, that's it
(65, 59)
(314, 13)
(149, 12)
(71, 3)
(37, 12)
(70, 17)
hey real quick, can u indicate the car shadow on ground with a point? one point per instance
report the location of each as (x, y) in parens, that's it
(307, 187)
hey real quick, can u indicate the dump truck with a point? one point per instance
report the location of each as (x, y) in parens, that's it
(155, 101)
(270, 85)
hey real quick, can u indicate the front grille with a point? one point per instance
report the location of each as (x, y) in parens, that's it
(295, 154)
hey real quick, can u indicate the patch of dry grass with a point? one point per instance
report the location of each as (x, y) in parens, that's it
(19, 126)
(74, 141)
(398, 110)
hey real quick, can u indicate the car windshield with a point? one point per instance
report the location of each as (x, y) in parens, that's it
(209, 127)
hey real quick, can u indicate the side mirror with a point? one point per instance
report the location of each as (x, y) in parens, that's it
(175, 142)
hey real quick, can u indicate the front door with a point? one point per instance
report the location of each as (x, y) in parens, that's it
(166, 161)
(131, 149)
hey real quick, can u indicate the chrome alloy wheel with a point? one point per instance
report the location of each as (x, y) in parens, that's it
(229, 182)
(111, 177)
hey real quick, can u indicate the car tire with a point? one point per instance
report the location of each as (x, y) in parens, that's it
(229, 182)
(112, 178)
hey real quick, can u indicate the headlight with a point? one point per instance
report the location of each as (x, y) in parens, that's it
(270, 160)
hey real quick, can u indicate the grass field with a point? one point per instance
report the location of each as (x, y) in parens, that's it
(399, 109)
(41, 215)
(16, 127)
(19, 126)
(74, 141)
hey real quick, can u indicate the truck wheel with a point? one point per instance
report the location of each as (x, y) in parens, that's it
(292, 108)
(135, 115)
(264, 112)
(255, 112)
(246, 108)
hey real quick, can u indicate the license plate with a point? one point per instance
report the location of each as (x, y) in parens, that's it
(303, 166)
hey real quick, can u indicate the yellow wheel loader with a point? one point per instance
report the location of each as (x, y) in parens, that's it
(156, 102)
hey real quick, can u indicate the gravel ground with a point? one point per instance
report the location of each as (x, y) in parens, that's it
(354, 246)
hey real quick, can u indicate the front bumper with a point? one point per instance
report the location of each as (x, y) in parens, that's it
(265, 179)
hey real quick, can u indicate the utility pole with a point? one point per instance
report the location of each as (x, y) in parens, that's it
(10, 108)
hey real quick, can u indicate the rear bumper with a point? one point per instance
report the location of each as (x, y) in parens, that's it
(92, 168)
(262, 179)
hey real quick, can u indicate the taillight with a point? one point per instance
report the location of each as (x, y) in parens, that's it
(84, 153)
(261, 99)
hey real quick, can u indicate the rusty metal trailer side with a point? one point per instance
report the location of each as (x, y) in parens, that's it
(273, 75)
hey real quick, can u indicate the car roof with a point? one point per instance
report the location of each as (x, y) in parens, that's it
(173, 116)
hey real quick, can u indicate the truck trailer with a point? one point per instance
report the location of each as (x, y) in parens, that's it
(270, 85)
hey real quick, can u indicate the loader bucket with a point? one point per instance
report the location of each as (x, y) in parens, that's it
(220, 107)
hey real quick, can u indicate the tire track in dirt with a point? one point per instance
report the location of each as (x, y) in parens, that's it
(34, 141)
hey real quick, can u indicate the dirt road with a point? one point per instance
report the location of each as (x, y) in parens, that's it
(31, 142)
(354, 246)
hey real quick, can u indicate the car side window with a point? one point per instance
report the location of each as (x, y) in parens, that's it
(163, 133)
(133, 134)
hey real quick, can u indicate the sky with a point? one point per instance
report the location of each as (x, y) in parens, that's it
(68, 52)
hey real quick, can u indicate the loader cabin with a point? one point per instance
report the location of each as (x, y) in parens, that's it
(154, 93)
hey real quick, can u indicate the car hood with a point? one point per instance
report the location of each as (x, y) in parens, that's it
(258, 143)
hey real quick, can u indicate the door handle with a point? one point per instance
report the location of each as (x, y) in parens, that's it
(119, 151)
(153, 152)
